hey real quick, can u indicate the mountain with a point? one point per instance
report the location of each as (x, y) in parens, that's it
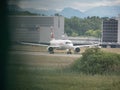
(104, 11)
(48, 12)
(69, 12)
(14, 8)
(66, 12)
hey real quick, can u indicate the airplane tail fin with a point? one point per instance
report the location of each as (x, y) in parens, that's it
(52, 34)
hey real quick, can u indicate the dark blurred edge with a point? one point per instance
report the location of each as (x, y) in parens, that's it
(4, 43)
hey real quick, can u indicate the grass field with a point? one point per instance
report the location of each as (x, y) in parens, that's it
(29, 72)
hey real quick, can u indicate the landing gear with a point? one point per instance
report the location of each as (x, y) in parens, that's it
(51, 52)
(69, 51)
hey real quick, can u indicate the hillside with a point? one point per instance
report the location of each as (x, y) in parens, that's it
(102, 11)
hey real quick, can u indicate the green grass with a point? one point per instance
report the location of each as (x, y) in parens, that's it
(28, 72)
(38, 80)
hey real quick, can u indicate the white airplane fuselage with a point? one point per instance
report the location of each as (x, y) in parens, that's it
(61, 44)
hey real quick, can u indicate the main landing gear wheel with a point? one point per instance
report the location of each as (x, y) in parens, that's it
(69, 51)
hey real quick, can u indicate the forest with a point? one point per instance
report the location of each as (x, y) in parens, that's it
(89, 26)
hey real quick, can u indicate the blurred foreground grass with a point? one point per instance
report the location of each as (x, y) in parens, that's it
(29, 72)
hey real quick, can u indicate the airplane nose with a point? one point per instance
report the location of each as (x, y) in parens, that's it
(70, 45)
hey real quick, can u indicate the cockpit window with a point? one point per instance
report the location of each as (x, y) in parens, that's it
(68, 42)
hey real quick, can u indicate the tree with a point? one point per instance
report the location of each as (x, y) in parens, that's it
(81, 26)
(94, 33)
(97, 33)
(89, 33)
(57, 14)
(74, 34)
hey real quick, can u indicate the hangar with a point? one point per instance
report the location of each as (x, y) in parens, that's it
(35, 28)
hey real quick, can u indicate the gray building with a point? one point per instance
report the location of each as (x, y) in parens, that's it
(118, 18)
(35, 28)
(111, 33)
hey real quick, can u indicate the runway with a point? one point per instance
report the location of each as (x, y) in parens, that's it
(44, 54)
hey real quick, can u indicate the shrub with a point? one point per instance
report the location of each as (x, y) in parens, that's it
(94, 61)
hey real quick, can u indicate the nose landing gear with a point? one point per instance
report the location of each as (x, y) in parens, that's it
(69, 51)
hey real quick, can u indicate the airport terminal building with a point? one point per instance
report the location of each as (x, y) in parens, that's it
(111, 33)
(35, 28)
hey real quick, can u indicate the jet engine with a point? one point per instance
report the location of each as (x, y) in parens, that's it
(50, 50)
(77, 49)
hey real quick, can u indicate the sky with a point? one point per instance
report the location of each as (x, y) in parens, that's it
(81, 5)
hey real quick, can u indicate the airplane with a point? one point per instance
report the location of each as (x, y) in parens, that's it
(60, 44)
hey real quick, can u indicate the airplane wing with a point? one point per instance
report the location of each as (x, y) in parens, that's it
(54, 46)
(34, 44)
(90, 45)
